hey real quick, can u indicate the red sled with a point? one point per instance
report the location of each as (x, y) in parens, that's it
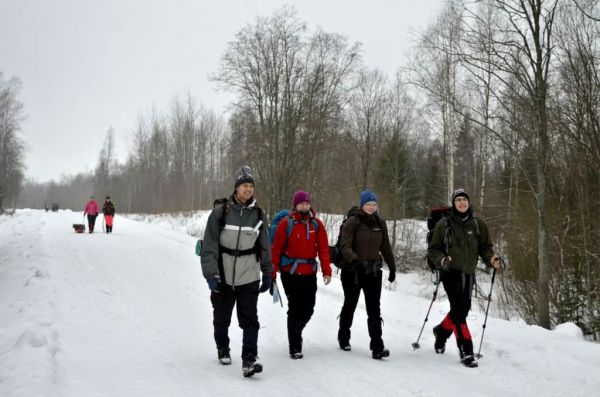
(79, 227)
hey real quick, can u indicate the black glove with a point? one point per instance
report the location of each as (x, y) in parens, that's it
(213, 284)
(392, 276)
(266, 283)
(360, 265)
(272, 287)
(445, 263)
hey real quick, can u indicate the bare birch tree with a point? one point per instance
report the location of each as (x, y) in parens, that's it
(11, 145)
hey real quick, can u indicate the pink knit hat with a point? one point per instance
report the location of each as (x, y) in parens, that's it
(300, 197)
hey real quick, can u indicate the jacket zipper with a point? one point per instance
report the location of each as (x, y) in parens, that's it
(237, 246)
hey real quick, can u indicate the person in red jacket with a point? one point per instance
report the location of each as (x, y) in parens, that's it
(91, 209)
(299, 238)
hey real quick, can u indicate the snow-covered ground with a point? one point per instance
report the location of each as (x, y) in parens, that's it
(128, 314)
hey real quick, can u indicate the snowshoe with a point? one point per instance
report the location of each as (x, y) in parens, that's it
(440, 343)
(296, 355)
(224, 357)
(379, 354)
(251, 366)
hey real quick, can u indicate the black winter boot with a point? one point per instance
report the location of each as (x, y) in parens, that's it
(380, 353)
(296, 353)
(465, 349)
(469, 360)
(344, 340)
(223, 354)
(251, 366)
(440, 340)
(295, 328)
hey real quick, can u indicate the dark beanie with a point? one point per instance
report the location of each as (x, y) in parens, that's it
(459, 193)
(300, 197)
(243, 175)
(366, 196)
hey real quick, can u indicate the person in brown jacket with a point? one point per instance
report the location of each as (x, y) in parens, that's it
(364, 241)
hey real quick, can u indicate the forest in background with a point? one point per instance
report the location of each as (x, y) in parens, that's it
(498, 97)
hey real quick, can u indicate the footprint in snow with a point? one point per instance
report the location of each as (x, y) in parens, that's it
(39, 274)
(39, 336)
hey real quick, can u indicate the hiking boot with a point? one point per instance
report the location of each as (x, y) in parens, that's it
(379, 354)
(224, 357)
(251, 366)
(469, 360)
(440, 342)
(296, 352)
(345, 345)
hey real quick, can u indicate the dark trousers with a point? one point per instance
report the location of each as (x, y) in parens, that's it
(91, 221)
(459, 288)
(245, 298)
(370, 283)
(301, 292)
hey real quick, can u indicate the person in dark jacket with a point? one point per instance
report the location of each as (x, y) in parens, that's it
(295, 256)
(108, 209)
(468, 239)
(364, 240)
(234, 253)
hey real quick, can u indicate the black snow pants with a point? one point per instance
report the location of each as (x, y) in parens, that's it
(91, 221)
(301, 293)
(353, 281)
(459, 288)
(245, 298)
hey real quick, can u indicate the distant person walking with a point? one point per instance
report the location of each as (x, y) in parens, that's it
(108, 209)
(91, 210)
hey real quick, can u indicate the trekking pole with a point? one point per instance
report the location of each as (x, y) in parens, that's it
(488, 306)
(437, 285)
(103, 218)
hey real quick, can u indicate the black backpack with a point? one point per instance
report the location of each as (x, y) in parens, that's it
(441, 214)
(335, 252)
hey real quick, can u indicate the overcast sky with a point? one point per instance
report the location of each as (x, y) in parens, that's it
(87, 65)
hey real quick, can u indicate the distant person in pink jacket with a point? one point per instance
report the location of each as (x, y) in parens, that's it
(91, 209)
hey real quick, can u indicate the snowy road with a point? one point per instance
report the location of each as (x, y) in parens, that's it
(128, 314)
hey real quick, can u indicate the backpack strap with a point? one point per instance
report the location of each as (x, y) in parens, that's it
(292, 222)
(447, 234)
(287, 261)
(290, 226)
(294, 262)
(224, 210)
(236, 253)
(316, 224)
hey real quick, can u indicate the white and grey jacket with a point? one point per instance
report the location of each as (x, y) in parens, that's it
(243, 231)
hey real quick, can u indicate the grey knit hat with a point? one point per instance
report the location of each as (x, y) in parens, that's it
(243, 175)
(459, 193)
